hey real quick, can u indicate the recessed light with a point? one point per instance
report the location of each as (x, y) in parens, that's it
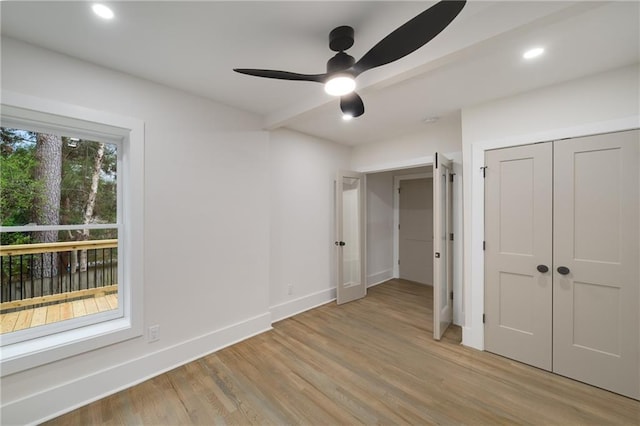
(533, 53)
(428, 120)
(102, 11)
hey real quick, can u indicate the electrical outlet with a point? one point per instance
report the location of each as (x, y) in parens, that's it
(153, 333)
(290, 289)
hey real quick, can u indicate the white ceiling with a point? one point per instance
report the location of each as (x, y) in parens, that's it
(194, 46)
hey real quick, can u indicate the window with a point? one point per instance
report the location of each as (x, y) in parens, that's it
(71, 231)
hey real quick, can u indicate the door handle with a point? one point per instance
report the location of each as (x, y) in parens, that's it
(542, 268)
(340, 243)
(437, 255)
(563, 270)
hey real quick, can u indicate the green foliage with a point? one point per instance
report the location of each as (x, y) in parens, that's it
(19, 189)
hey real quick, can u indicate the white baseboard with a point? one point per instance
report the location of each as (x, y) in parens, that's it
(301, 304)
(56, 401)
(379, 277)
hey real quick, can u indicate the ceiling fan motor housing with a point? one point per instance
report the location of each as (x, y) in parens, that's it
(341, 38)
(340, 62)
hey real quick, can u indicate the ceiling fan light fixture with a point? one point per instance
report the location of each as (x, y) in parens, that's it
(340, 85)
(347, 117)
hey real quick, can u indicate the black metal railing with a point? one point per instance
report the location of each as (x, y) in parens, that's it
(33, 273)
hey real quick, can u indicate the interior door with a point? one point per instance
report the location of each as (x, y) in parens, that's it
(518, 244)
(442, 245)
(351, 282)
(596, 258)
(415, 236)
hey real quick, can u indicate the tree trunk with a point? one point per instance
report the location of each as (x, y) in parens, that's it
(91, 202)
(47, 206)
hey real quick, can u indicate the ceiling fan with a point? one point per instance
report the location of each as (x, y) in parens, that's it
(342, 69)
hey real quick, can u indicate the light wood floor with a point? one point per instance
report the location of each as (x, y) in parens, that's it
(372, 361)
(33, 317)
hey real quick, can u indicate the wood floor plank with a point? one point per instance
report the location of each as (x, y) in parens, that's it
(112, 299)
(90, 305)
(9, 321)
(78, 308)
(66, 311)
(371, 361)
(102, 303)
(53, 314)
(39, 316)
(24, 319)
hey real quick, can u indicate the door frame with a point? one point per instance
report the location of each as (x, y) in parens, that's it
(397, 180)
(473, 275)
(458, 218)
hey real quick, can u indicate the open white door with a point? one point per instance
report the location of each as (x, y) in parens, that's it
(442, 245)
(350, 236)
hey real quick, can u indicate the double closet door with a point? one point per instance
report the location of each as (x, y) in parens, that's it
(562, 259)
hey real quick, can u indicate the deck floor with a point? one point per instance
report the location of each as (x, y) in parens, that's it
(34, 317)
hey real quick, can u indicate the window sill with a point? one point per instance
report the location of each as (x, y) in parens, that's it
(44, 350)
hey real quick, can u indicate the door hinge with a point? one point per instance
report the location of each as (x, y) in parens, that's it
(398, 226)
(484, 245)
(398, 261)
(451, 236)
(483, 318)
(436, 160)
(399, 190)
(451, 295)
(484, 171)
(451, 177)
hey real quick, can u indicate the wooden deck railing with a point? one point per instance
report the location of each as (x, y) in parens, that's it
(44, 273)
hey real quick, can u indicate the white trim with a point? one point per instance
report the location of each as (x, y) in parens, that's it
(130, 133)
(53, 402)
(379, 277)
(302, 304)
(396, 215)
(473, 331)
(398, 165)
(32, 228)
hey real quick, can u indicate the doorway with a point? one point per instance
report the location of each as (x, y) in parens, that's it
(413, 227)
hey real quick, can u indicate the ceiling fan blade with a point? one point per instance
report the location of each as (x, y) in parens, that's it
(352, 105)
(411, 36)
(282, 75)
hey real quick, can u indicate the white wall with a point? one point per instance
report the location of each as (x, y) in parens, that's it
(410, 150)
(596, 104)
(303, 171)
(207, 230)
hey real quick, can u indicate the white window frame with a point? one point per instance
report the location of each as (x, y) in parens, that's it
(68, 338)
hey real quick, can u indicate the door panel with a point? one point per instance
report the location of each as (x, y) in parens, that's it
(597, 238)
(518, 235)
(350, 237)
(442, 245)
(416, 230)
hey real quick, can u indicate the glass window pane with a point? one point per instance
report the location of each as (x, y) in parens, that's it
(62, 272)
(351, 231)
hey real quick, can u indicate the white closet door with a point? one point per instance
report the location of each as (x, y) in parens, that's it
(596, 238)
(518, 234)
